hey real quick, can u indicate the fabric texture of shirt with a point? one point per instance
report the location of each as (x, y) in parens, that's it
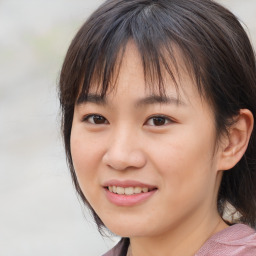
(236, 240)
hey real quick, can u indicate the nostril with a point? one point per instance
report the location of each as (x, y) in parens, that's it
(122, 160)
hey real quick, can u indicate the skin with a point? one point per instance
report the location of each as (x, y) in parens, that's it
(179, 158)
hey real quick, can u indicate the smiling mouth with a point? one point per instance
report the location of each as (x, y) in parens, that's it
(129, 190)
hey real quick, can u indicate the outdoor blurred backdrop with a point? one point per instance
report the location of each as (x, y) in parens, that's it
(39, 211)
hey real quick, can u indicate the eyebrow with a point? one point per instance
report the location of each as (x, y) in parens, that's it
(157, 99)
(92, 98)
(149, 100)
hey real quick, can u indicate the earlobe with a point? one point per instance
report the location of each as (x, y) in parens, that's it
(237, 140)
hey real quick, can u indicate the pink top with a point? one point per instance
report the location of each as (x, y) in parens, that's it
(236, 240)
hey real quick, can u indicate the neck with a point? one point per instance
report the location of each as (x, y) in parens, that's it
(184, 240)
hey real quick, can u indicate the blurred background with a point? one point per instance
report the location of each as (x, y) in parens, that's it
(39, 211)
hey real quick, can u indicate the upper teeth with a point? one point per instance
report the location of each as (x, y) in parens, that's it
(127, 191)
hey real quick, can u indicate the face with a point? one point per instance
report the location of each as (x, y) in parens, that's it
(146, 164)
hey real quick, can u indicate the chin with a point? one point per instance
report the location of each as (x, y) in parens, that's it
(127, 230)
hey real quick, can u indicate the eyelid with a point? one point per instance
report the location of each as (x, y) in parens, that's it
(86, 118)
(168, 119)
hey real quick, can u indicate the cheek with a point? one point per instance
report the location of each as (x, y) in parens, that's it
(185, 164)
(86, 154)
(86, 148)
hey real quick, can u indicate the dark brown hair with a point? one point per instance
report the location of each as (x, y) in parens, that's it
(218, 54)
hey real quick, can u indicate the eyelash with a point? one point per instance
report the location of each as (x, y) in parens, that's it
(164, 120)
(87, 118)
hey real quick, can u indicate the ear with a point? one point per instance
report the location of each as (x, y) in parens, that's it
(235, 144)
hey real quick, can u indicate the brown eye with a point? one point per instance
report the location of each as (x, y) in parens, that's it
(96, 119)
(158, 121)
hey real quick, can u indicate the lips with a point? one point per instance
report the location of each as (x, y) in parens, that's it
(128, 190)
(128, 193)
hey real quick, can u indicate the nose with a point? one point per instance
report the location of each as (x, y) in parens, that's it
(124, 152)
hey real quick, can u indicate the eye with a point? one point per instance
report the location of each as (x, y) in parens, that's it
(95, 119)
(158, 121)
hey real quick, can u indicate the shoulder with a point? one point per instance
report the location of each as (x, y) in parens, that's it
(236, 240)
(115, 251)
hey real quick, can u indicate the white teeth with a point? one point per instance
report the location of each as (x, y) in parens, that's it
(127, 191)
(137, 190)
(145, 190)
(120, 190)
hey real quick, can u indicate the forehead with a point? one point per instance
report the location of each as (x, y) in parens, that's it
(131, 75)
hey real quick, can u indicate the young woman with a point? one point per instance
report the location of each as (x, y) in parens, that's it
(158, 101)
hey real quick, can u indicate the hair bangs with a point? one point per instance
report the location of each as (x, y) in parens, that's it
(162, 53)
